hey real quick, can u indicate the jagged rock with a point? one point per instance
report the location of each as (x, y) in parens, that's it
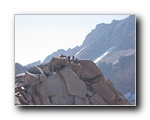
(61, 83)
(74, 85)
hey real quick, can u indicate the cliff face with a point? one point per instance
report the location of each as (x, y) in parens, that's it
(66, 82)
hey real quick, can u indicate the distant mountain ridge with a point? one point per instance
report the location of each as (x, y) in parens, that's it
(36, 63)
(119, 33)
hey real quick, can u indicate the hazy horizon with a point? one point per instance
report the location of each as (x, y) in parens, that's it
(37, 36)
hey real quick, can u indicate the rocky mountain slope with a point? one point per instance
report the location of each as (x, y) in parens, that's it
(106, 45)
(66, 82)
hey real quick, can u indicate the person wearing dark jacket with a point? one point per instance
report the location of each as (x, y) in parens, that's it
(69, 59)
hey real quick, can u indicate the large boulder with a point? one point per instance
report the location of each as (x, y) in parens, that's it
(34, 76)
(54, 86)
(74, 85)
(31, 79)
(58, 61)
(90, 69)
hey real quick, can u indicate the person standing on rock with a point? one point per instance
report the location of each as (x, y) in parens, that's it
(73, 57)
(69, 59)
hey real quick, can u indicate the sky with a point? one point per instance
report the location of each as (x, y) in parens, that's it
(37, 36)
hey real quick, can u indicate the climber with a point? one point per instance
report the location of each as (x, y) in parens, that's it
(69, 59)
(73, 57)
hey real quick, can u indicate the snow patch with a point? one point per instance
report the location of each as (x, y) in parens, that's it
(80, 51)
(99, 58)
(104, 54)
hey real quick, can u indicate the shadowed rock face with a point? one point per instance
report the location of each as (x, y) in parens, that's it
(63, 82)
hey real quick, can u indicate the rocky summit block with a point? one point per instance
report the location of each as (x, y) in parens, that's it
(66, 82)
(58, 61)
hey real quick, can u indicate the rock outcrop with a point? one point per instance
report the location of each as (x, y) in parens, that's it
(66, 82)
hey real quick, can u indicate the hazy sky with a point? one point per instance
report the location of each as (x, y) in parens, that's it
(37, 36)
